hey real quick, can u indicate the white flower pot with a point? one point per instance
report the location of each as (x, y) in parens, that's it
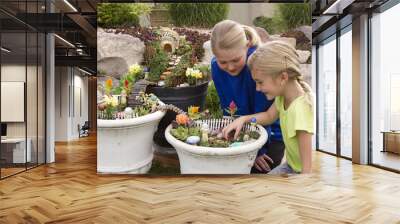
(125, 146)
(207, 160)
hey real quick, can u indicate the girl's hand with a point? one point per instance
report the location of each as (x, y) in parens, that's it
(236, 126)
(261, 163)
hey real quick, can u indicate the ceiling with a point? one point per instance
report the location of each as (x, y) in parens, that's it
(331, 15)
(72, 20)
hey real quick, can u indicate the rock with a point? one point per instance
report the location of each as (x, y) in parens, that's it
(303, 56)
(208, 55)
(184, 85)
(193, 140)
(127, 48)
(289, 40)
(307, 30)
(128, 110)
(113, 66)
(302, 42)
(264, 36)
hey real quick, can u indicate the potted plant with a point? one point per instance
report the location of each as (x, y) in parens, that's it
(177, 77)
(124, 134)
(202, 149)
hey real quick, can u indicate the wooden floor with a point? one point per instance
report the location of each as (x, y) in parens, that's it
(387, 159)
(70, 191)
(10, 171)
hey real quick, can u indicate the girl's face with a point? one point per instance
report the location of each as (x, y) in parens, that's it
(268, 85)
(232, 61)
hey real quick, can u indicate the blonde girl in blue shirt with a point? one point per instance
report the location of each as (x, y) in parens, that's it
(232, 44)
(275, 68)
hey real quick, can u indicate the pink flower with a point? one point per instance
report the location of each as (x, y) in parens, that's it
(232, 106)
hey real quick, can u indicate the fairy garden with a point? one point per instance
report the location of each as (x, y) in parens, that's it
(147, 69)
(172, 61)
(113, 102)
(196, 128)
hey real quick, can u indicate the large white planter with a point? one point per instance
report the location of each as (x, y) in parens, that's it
(208, 160)
(125, 146)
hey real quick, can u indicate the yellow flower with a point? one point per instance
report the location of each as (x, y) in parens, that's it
(135, 69)
(198, 74)
(114, 101)
(193, 109)
(190, 72)
(107, 99)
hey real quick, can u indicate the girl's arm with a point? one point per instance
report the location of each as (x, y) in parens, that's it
(305, 140)
(263, 118)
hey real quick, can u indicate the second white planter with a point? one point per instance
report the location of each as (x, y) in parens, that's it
(207, 160)
(125, 146)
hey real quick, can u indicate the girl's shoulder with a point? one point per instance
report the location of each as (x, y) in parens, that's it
(279, 102)
(301, 105)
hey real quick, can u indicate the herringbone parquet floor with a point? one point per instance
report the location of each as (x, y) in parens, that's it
(70, 191)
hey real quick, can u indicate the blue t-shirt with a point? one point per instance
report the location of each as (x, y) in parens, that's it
(242, 90)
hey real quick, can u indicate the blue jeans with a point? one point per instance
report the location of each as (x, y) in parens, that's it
(284, 168)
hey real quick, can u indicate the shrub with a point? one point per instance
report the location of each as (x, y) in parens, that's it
(145, 34)
(198, 14)
(272, 25)
(157, 63)
(196, 38)
(121, 14)
(212, 101)
(295, 14)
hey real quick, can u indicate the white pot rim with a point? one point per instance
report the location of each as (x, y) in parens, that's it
(101, 123)
(207, 151)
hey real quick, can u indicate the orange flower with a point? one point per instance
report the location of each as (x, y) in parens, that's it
(109, 83)
(182, 119)
(126, 83)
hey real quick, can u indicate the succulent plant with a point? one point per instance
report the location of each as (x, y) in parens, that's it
(254, 135)
(194, 131)
(219, 143)
(181, 133)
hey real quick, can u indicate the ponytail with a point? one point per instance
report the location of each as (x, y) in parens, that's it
(252, 36)
(307, 90)
(230, 35)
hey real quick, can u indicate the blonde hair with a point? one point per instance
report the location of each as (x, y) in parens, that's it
(229, 34)
(275, 57)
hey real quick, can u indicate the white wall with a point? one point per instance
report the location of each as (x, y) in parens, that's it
(245, 13)
(70, 83)
(61, 103)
